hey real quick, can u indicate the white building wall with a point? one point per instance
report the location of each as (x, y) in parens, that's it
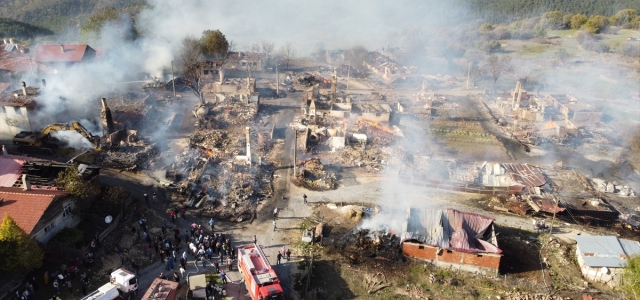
(64, 219)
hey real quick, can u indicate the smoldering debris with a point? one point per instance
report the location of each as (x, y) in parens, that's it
(129, 156)
(364, 246)
(314, 176)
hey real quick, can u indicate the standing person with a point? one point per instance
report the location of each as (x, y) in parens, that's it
(183, 262)
(56, 286)
(223, 276)
(304, 196)
(182, 270)
(183, 212)
(288, 254)
(275, 212)
(216, 264)
(274, 225)
(83, 287)
(176, 277)
(278, 258)
(229, 262)
(146, 198)
(70, 287)
(171, 260)
(173, 216)
(46, 277)
(212, 223)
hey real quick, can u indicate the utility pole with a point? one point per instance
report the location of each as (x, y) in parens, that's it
(295, 150)
(277, 82)
(348, 74)
(468, 75)
(173, 80)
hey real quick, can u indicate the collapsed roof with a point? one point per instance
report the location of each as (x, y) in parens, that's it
(451, 229)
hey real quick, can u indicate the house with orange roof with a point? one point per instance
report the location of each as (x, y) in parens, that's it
(28, 193)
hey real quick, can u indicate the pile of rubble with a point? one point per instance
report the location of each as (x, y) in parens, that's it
(212, 142)
(610, 187)
(180, 83)
(313, 175)
(129, 156)
(364, 246)
(222, 116)
(371, 159)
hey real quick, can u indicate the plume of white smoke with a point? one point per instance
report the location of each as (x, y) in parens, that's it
(72, 139)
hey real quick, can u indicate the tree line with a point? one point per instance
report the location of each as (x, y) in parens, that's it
(501, 11)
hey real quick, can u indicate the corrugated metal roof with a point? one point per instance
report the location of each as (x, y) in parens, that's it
(449, 229)
(630, 247)
(602, 251)
(525, 174)
(598, 262)
(599, 245)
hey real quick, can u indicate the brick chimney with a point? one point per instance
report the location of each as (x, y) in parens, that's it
(61, 48)
(24, 88)
(107, 118)
(44, 83)
(26, 185)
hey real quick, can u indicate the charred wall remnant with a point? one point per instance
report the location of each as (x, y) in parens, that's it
(107, 119)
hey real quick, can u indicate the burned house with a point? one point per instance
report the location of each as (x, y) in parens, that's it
(230, 89)
(15, 110)
(244, 60)
(451, 238)
(372, 111)
(527, 176)
(602, 258)
(385, 66)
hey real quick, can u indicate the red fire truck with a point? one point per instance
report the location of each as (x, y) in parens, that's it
(259, 278)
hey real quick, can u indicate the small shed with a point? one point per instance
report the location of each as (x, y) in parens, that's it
(197, 285)
(602, 258)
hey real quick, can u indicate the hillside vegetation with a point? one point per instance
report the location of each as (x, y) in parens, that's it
(17, 29)
(57, 14)
(499, 11)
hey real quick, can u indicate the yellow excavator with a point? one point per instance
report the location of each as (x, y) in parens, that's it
(43, 142)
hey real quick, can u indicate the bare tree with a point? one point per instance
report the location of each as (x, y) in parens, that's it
(288, 53)
(498, 66)
(191, 54)
(251, 55)
(267, 48)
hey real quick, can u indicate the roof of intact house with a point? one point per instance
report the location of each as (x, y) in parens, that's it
(54, 53)
(26, 207)
(450, 229)
(606, 251)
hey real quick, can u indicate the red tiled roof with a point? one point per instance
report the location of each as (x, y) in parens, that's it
(26, 207)
(525, 174)
(16, 64)
(53, 53)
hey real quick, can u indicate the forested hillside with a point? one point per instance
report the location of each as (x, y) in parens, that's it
(17, 29)
(57, 14)
(500, 11)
